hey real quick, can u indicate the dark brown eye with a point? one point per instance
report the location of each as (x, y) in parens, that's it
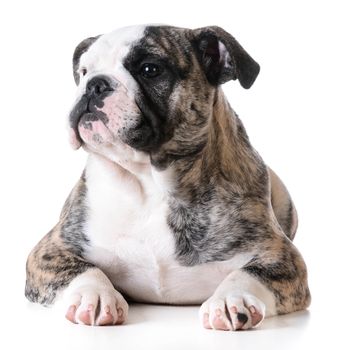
(83, 71)
(150, 70)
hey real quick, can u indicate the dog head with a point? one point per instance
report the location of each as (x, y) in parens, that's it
(149, 90)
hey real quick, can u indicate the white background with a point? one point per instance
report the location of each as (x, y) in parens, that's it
(295, 115)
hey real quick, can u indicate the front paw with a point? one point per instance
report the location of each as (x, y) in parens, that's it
(232, 312)
(93, 306)
(91, 299)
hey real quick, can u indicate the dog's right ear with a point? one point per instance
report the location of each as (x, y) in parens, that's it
(81, 48)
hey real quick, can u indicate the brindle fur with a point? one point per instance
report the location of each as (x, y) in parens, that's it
(232, 210)
(58, 257)
(225, 200)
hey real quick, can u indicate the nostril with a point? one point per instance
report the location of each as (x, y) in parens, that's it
(96, 86)
(97, 89)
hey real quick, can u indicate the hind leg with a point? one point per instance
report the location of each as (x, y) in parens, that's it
(283, 206)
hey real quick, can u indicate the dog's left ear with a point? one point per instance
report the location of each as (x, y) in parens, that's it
(223, 58)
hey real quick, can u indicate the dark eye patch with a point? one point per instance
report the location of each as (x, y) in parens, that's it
(160, 55)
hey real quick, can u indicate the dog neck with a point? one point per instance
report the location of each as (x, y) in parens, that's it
(228, 152)
(227, 158)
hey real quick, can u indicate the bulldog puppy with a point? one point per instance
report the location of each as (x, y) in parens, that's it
(174, 205)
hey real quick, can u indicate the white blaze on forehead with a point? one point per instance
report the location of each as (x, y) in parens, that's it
(106, 55)
(115, 45)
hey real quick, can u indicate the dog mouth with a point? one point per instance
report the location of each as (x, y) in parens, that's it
(112, 118)
(86, 118)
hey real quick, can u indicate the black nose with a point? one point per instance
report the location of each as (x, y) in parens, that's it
(97, 86)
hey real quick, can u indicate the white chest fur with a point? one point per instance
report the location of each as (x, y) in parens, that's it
(131, 242)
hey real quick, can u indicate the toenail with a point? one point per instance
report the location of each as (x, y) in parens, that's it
(120, 312)
(70, 314)
(252, 309)
(242, 317)
(218, 312)
(107, 309)
(72, 308)
(233, 309)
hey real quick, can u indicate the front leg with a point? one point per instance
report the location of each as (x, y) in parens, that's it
(273, 282)
(56, 267)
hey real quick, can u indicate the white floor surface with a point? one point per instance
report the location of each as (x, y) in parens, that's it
(167, 327)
